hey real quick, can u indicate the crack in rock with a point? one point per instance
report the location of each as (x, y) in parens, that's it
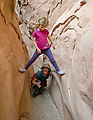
(66, 22)
(3, 16)
(16, 31)
(55, 7)
(81, 4)
(86, 99)
(42, 3)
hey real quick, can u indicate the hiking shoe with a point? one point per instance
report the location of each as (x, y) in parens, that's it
(62, 72)
(22, 70)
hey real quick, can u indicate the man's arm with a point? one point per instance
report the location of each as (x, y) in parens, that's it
(36, 83)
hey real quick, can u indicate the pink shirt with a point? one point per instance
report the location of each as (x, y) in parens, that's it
(41, 38)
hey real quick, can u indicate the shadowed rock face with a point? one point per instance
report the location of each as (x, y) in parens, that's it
(71, 26)
(11, 57)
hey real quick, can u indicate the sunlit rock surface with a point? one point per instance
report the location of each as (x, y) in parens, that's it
(71, 27)
(12, 56)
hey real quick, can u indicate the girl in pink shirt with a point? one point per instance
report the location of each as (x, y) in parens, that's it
(42, 46)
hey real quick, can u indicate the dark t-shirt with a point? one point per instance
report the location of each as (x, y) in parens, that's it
(41, 77)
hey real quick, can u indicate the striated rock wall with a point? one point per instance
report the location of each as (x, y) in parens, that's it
(12, 56)
(73, 36)
(71, 27)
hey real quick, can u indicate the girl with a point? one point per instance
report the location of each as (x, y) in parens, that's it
(42, 46)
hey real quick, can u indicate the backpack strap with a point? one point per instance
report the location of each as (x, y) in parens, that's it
(32, 77)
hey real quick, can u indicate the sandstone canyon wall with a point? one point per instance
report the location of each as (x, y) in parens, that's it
(13, 53)
(71, 27)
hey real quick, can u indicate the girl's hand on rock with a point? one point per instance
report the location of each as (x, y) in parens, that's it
(53, 46)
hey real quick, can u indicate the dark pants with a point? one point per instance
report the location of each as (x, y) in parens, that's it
(46, 52)
(37, 90)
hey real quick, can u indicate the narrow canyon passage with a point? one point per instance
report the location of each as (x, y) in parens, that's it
(71, 27)
(43, 108)
(40, 108)
(72, 31)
